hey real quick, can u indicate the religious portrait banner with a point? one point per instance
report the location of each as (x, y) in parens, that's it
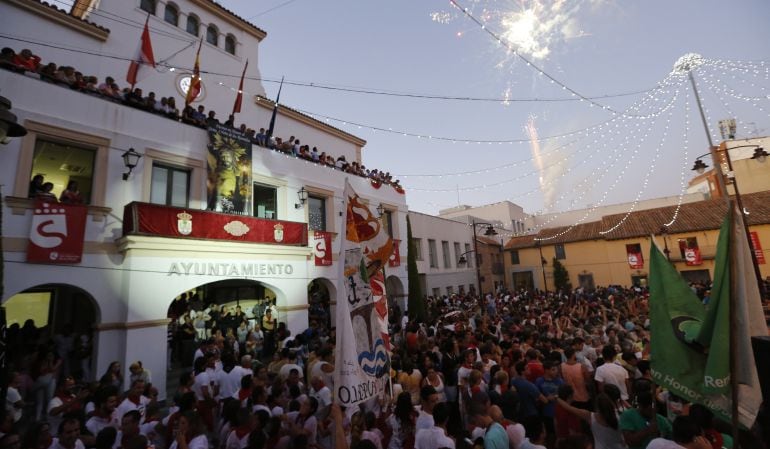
(228, 162)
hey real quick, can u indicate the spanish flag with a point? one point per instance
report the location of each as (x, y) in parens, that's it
(195, 81)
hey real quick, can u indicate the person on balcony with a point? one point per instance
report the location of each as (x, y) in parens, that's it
(71, 195)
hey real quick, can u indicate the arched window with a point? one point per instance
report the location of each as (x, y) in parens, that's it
(212, 35)
(148, 5)
(193, 25)
(230, 44)
(171, 15)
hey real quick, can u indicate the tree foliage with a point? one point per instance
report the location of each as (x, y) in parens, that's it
(416, 301)
(560, 276)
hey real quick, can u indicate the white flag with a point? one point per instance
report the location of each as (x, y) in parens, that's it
(362, 364)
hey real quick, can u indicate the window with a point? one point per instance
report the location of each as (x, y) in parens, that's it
(417, 248)
(447, 255)
(148, 5)
(230, 44)
(559, 249)
(171, 14)
(457, 254)
(317, 213)
(212, 35)
(265, 201)
(450, 290)
(432, 256)
(461, 289)
(689, 242)
(193, 25)
(437, 293)
(62, 163)
(467, 251)
(480, 259)
(387, 222)
(515, 257)
(170, 186)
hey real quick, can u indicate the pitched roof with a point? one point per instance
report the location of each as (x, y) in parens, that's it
(697, 216)
(213, 5)
(487, 240)
(35, 5)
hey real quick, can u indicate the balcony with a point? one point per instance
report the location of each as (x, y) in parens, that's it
(164, 221)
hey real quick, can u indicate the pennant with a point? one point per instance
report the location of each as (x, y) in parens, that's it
(271, 128)
(144, 55)
(692, 257)
(395, 257)
(239, 97)
(57, 233)
(362, 362)
(634, 256)
(195, 81)
(322, 248)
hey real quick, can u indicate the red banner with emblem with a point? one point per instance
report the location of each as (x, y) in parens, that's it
(165, 221)
(757, 247)
(57, 233)
(322, 248)
(395, 256)
(634, 257)
(692, 256)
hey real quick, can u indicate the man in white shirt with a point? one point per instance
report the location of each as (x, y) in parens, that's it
(229, 383)
(612, 373)
(429, 398)
(436, 436)
(135, 400)
(104, 415)
(291, 364)
(322, 394)
(69, 437)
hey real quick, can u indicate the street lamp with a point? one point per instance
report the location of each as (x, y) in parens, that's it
(130, 160)
(760, 155)
(489, 231)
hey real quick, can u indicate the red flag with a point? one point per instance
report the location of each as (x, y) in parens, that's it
(239, 97)
(144, 54)
(57, 233)
(322, 248)
(195, 81)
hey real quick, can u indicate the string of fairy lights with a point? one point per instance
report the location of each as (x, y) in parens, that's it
(722, 79)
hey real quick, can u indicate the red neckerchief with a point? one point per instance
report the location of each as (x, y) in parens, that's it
(137, 401)
(243, 394)
(476, 389)
(242, 431)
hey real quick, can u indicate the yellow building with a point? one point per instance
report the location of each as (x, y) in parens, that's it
(621, 257)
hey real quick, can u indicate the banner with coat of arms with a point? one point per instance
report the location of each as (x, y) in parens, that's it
(228, 162)
(322, 248)
(362, 363)
(57, 233)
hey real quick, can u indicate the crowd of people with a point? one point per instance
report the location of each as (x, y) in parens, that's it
(31, 64)
(521, 370)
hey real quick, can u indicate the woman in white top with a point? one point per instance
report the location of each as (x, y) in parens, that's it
(191, 433)
(435, 380)
(604, 423)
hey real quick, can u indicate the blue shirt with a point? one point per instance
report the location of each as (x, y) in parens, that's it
(549, 387)
(528, 394)
(496, 438)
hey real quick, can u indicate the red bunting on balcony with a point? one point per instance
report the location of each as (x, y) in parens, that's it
(57, 232)
(165, 221)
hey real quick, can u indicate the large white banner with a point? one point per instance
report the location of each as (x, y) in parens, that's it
(362, 363)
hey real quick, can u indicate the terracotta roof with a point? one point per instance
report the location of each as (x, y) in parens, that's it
(487, 240)
(63, 12)
(697, 216)
(522, 241)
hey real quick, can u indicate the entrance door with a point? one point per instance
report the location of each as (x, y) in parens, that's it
(639, 280)
(701, 276)
(586, 281)
(523, 280)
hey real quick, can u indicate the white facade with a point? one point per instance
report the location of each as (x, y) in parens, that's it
(504, 214)
(132, 279)
(437, 262)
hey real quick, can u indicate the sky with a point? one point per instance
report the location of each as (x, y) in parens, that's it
(635, 146)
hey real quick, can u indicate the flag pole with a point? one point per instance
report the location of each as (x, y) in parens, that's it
(733, 317)
(271, 128)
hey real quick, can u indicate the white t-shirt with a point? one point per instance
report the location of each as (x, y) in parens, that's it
(233, 442)
(55, 444)
(283, 373)
(199, 442)
(323, 396)
(662, 443)
(127, 405)
(614, 374)
(433, 438)
(424, 421)
(96, 423)
(230, 382)
(12, 397)
(203, 379)
(515, 433)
